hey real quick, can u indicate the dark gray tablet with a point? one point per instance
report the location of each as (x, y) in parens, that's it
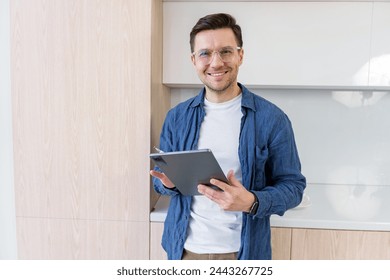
(188, 169)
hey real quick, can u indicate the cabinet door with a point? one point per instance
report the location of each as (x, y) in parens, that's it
(81, 126)
(379, 66)
(281, 242)
(285, 43)
(313, 244)
(156, 251)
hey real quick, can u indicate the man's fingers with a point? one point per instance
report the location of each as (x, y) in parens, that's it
(220, 184)
(156, 174)
(163, 178)
(209, 192)
(232, 179)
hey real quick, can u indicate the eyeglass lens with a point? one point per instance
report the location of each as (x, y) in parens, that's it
(226, 54)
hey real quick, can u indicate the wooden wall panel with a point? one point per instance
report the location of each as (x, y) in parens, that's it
(315, 244)
(161, 101)
(81, 90)
(42, 238)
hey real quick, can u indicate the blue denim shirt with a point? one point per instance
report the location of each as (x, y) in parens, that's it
(270, 168)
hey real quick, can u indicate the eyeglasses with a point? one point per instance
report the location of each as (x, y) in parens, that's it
(205, 56)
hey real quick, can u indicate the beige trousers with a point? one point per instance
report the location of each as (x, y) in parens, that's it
(188, 255)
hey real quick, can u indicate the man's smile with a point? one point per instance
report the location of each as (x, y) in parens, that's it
(217, 74)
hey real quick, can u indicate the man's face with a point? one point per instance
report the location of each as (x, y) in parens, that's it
(218, 76)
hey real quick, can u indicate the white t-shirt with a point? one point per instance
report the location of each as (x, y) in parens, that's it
(211, 229)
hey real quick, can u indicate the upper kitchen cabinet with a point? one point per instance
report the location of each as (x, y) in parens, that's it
(379, 65)
(291, 44)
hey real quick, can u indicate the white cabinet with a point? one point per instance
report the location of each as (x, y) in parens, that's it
(285, 43)
(379, 66)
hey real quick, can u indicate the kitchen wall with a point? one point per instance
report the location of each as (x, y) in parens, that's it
(342, 136)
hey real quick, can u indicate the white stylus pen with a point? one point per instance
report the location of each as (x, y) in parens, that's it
(158, 150)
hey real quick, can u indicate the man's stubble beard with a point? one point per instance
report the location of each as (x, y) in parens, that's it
(230, 84)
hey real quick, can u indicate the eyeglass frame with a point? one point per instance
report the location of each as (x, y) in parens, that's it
(215, 51)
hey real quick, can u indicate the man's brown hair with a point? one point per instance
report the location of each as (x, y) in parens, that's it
(216, 21)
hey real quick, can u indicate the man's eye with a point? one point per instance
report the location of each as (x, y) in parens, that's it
(204, 53)
(226, 52)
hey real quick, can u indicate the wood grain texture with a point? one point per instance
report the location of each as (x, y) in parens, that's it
(156, 250)
(340, 245)
(160, 101)
(281, 243)
(81, 93)
(44, 238)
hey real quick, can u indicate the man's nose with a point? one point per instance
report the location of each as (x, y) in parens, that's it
(216, 60)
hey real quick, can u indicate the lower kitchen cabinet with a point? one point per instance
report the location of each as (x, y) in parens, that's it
(314, 244)
(308, 244)
(156, 251)
(281, 243)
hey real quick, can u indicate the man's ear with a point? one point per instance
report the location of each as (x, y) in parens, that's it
(193, 60)
(241, 54)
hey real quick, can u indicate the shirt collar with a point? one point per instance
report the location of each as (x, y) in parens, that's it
(247, 98)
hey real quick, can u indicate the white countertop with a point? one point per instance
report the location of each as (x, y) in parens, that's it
(343, 207)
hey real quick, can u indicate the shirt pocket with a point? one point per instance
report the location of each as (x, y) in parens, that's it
(260, 162)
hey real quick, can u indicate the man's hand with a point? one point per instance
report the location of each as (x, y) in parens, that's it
(163, 178)
(234, 196)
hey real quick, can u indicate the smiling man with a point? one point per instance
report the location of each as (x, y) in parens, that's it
(253, 141)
